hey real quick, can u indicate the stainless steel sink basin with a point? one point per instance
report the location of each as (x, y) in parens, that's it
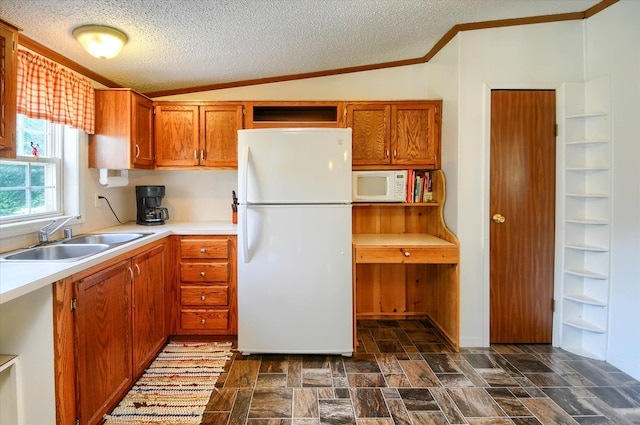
(56, 252)
(105, 238)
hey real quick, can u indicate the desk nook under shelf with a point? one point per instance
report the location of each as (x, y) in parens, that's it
(406, 263)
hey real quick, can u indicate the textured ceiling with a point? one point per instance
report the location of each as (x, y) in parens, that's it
(176, 44)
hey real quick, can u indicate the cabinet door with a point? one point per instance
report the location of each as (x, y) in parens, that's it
(142, 131)
(8, 67)
(103, 344)
(148, 307)
(370, 133)
(416, 134)
(176, 134)
(219, 125)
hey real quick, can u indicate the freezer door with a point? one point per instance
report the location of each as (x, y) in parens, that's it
(295, 279)
(294, 165)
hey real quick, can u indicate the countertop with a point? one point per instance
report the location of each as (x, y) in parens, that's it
(18, 278)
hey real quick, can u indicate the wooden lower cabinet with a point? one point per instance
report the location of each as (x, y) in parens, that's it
(109, 325)
(206, 285)
(148, 307)
(103, 340)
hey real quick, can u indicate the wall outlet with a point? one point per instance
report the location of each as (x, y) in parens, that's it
(96, 200)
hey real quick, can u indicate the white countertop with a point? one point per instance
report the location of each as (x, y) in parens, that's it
(18, 278)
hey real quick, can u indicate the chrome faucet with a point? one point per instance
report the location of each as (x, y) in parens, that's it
(44, 232)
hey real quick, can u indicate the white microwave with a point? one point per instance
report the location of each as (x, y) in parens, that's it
(379, 185)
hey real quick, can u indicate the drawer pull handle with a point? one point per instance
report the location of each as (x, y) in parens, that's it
(203, 321)
(407, 254)
(202, 250)
(203, 298)
(202, 274)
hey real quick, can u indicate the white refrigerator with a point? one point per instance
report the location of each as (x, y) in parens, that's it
(294, 241)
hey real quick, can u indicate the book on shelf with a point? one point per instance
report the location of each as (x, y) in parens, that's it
(419, 186)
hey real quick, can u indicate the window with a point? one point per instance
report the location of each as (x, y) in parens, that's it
(31, 186)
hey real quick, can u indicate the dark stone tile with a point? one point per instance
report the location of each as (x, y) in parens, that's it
(214, 418)
(527, 363)
(454, 380)
(526, 421)
(273, 364)
(547, 411)
(369, 403)
(336, 412)
(512, 406)
(384, 333)
(475, 402)
(480, 361)
(243, 374)
(342, 393)
(419, 373)
(389, 346)
(366, 380)
(361, 363)
(240, 409)
(441, 363)
(398, 412)
(221, 400)
(316, 362)
(294, 373)
(428, 418)
(271, 380)
(447, 406)
(271, 403)
(418, 399)
(316, 377)
(567, 399)
(614, 397)
(497, 377)
(594, 375)
(388, 363)
(547, 380)
(271, 421)
(593, 420)
(305, 403)
(499, 392)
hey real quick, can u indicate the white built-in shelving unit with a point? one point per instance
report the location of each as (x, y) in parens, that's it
(587, 214)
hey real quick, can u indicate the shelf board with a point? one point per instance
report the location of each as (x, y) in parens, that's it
(588, 221)
(589, 248)
(587, 141)
(396, 204)
(587, 115)
(587, 195)
(583, 325)
(582, 299)
(585, 169)
(587, 273)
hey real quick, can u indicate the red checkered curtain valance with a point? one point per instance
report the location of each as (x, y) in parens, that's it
(48, 91)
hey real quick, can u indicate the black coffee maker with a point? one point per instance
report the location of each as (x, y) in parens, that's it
(148, 200)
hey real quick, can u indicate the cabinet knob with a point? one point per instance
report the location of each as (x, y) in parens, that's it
(202, 274)
(407, 254)
(203, 298)
(202, 250)
(203, 321)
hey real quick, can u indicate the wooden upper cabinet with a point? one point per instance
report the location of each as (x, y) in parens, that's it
(176, 132)
(219, 125)
(371, 136)
(204, 135)
(123, 136)
(395, 134)
(8, 69)
(415, 135)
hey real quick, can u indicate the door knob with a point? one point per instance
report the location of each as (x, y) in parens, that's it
(498, 218)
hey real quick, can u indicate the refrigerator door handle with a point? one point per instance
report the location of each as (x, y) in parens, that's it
(245, 237)
(244, 166)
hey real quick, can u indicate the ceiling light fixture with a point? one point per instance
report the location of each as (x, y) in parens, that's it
(100, 41)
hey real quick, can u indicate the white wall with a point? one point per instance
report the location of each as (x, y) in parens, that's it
(613, 49)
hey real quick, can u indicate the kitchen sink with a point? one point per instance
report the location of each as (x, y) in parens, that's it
(56, 252)
(73, 249)
(105, 238)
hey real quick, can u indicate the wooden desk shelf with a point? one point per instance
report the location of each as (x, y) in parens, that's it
(406, 263)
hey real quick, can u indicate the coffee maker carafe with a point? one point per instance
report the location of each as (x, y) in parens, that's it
(148, 199)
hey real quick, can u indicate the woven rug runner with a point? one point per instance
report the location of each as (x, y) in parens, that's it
(176, 387)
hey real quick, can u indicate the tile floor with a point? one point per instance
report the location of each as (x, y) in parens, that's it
(403, 374)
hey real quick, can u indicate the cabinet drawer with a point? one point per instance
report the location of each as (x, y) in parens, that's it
(204, 295)
(204, 272)
(408, 255)
(204, 248)
(204, 319)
